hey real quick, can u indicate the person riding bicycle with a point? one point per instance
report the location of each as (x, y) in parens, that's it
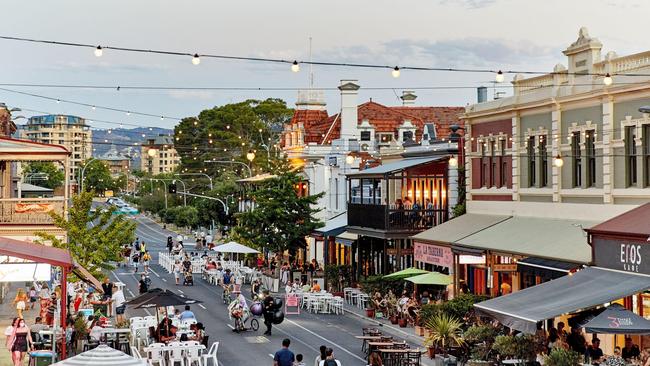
(238, 308)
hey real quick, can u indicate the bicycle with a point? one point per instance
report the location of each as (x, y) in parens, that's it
(225, 295)
(237, 313)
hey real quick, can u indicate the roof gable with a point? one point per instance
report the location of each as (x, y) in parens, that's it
(10, 146)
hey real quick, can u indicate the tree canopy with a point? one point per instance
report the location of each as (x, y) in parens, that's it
(97, 176)
(94, 238)
(281, 219)
(52, 177)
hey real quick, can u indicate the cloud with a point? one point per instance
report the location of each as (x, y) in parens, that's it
(461, 52)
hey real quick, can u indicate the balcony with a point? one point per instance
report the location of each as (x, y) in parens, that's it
(389, 218)
(29, 211)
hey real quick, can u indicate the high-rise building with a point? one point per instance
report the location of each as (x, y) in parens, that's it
(72, 132)
(157, 155)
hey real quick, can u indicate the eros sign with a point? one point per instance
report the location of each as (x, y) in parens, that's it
(622, 255)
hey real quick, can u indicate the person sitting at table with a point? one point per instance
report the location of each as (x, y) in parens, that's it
(306, 288)
(219, 267)
(184, 338)
(412, 308)
(616, 359)
(594, 351)
(95, 331)
(211, 266)
(315, 287)
(630, 350)
(186, 314)
(38, 325)
(645, 357)
(165, 330)
(199, 332)
(375, 359)
(379, 303)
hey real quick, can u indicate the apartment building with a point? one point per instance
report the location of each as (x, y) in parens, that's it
(157, 155)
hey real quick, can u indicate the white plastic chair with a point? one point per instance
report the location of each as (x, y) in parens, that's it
(135, 353)
(156, 354)
(211, 354)
(193, 355)
(186, 323)
(175, 353)
(150, 321)
(141, 336)
(135, 319)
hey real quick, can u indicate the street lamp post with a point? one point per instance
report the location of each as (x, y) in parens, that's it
(184, 191)
(250, 172)
(83, 172)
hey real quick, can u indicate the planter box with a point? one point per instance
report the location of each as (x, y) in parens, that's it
(478, 363)
(370, 312)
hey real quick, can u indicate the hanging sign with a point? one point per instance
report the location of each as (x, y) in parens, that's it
(623, 255)
(433, 254)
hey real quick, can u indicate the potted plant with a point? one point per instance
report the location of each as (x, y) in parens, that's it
(562, 357)
(445, 332)
(520, 347)
(479, 338)
(403, 320)
(427, 312)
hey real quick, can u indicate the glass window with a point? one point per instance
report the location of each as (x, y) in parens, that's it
(530, 152)
(407, 135)
(646, 154)
(493, 163)
(504, 165)
(630, 155)
(543, 176)
(483, 165)
(365, 135)
(577, 159)
(590, 155)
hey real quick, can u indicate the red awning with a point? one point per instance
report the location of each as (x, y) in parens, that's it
(36, 252)
(631, 223)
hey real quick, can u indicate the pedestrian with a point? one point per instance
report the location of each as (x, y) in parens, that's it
(177, 271)
(10, 330)
(20, 301)
(143, 284)
(284, 357)
(33, 296)
(170, 244)
(118, 303)
(51, 309)
(322, 356)
(375, 359)
(267, 309)
(136, 260)
(145, 261)
(143, 249)
(44, 296)
(20, 342)
(299, 360)
(330, 360)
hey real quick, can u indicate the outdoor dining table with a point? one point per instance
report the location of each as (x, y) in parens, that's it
(365, 340)
(377, 345)
(393, 357)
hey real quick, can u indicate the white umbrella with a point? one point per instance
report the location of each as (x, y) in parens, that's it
(233, 247)
(102, 355)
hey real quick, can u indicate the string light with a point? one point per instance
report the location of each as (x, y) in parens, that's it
(98, 51)
(395, 72)
(196, 59)
(295, 67)
(607, 80)
(558, 161)
(499, 77)
(58, 101)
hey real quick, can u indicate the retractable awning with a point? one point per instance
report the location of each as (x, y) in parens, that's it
(334, 226)
(459, 228)
(396, 166)
(346, 238)
(584, 289)
(546, 267)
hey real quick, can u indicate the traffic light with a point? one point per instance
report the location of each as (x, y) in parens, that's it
(172, 188)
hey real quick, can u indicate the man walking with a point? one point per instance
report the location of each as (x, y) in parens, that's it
(330, 360)
(267, 308)
(284, 357)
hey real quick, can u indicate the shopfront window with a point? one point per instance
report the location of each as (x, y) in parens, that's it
(504, 165)
(646, 154)
(590, 156)
(530, 152)
(577, 160)
(543, 176)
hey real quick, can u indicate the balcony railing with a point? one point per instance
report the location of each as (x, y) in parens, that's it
(29, 210)
(390, 218)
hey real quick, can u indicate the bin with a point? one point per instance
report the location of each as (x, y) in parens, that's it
(40, 358)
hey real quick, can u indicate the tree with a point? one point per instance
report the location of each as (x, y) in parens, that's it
(281, 219)
(92, 246)
(97, 176)
(54, 176)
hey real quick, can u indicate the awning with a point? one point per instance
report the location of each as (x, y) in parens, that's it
(584, 289)
(86, 276)
(549, 268)
(458, 228)
(334, 226)
(35, 252)
(561, 239)
(395, 167)
(346, 238)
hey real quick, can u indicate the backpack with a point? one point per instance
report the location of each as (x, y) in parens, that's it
(137, 246)
(330, 363)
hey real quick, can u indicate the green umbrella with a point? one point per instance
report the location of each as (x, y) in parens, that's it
(431, 278)
(409, 272)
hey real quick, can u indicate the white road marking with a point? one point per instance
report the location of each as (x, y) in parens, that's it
(230, 326)
(182, 295)
(164, 280)
(154, 272)
(202, 307)
(181, 291)
(130, 292)
(326, 340)
(271, 355)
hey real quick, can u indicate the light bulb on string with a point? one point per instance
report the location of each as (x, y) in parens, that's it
(558, 161)
(196, 59)
(499, 78)
(162, 118)
(93, 107)
(295, 67)
(128, 113)
(99, 51)
(58, 101)
(607, 80)
(395, 72)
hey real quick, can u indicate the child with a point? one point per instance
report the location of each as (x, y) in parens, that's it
(299, 360)
(33, 296)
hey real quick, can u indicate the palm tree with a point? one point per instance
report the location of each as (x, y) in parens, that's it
(444, 331)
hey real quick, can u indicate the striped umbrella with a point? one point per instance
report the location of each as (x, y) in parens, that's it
(102, 355)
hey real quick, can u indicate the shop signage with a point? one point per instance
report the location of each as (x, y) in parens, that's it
(622, 255)
(471, 259)
(504, 267)
(433, 254)
(407, 251)
(391, 251)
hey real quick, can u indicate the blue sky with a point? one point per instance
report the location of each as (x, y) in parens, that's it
(494, 34)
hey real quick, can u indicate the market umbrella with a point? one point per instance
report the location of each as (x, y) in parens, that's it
(431, 278)
(233, 247)
(618, 320)
(409, 272)
(101, 355)
(144, 297)
(164, 298)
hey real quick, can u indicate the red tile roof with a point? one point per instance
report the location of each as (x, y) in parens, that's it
(321, 128)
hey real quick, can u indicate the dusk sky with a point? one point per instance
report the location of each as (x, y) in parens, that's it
(486, 34)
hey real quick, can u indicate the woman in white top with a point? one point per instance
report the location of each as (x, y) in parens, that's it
(177, 271)
(95, 331)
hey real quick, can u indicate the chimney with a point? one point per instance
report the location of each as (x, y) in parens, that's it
(481, 93)
(349, 117)
(408, 98)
